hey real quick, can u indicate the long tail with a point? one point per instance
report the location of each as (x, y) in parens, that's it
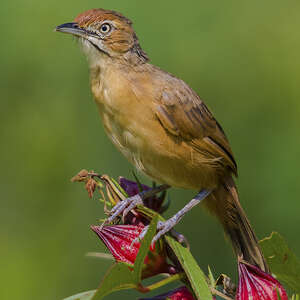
(224, 203)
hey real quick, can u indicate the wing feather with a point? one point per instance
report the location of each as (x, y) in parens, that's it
(182, 113)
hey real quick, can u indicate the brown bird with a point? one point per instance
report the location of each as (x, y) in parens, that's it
(162, 126)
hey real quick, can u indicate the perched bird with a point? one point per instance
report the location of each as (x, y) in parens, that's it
(162, 126)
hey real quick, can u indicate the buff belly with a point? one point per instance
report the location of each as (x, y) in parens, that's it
(159, 157)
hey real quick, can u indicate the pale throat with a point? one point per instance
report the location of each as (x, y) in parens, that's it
(96, 59)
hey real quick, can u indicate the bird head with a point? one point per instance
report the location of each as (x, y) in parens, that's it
(104, 33)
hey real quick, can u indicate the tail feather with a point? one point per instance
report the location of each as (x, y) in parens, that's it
(224, 203)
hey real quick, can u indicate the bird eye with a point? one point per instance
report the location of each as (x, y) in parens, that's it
(105, 28)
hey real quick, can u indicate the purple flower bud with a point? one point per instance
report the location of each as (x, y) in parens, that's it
(132, 188)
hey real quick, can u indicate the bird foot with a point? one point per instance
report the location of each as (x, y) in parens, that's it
(163, 228)
(125, 206)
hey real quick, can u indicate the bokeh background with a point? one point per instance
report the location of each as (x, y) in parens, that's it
(242, 57)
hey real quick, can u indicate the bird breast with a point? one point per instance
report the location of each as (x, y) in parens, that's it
(127, 110)
(115, 108)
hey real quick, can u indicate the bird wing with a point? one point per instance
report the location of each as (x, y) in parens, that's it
(183, 114)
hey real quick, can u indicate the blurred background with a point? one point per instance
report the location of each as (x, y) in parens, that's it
(243, 60)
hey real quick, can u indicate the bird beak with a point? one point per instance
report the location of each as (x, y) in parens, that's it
(76, 30)
(72, 28)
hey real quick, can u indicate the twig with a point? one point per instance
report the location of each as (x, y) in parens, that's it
(93, 174)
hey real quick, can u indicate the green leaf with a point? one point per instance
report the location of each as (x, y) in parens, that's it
(211, 278)
(118, 277)
(194, 273)
(165, 281)
(148, 212)
(139, 184)
(282, 261)
(144, 249)
(82, 296)
(119, 190)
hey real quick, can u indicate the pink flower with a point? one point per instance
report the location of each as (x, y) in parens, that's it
(181, 293)
(119, 241)
(254, 284)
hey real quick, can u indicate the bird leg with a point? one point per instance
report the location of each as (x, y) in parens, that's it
(164, 227)
(125, 206)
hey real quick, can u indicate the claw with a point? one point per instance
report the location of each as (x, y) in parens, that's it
(117, 206)
(132, 205)
(141, 236)
(123, 207)
(180, 238)
(163, 228)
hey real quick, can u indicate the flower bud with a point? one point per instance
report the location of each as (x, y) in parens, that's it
(255, 284)
(132, 188)
(119, 241)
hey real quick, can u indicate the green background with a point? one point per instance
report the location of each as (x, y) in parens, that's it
(243, 60)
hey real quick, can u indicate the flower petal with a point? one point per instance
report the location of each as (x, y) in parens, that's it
(254, 284)
(118, 240)
(131, 187)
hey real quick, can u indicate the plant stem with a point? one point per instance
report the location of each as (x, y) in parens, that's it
(216, 292)
(165, 281)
